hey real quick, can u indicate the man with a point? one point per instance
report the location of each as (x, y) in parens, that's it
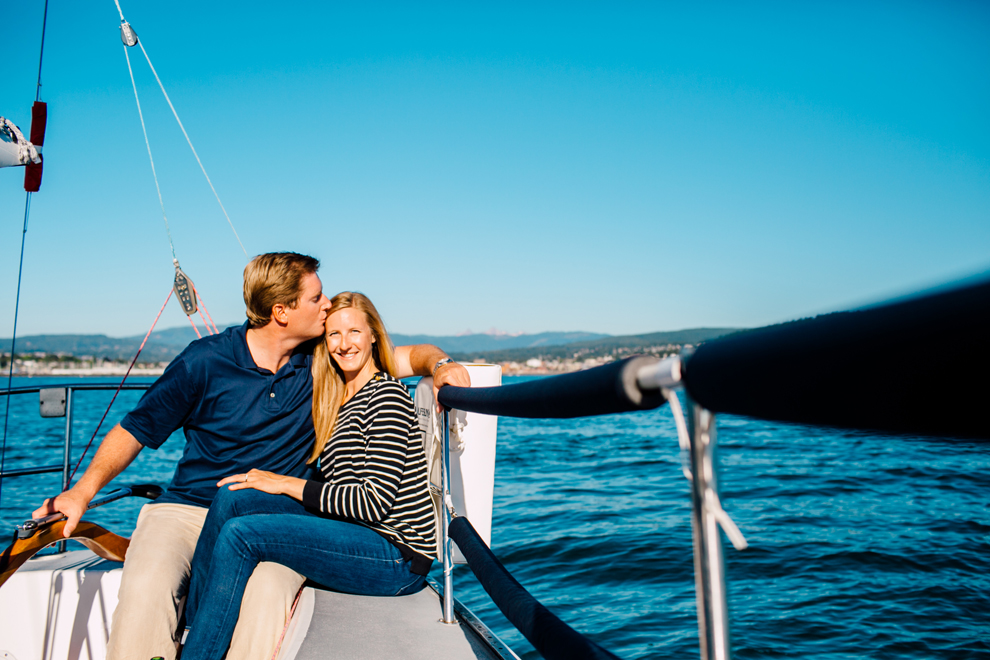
(244, 400)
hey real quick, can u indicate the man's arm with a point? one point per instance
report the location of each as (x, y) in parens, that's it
(116, 452)
(419, 360)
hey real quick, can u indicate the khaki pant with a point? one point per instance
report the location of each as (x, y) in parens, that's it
(156, 579)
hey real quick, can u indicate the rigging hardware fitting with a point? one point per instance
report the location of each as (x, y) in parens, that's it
(184, 290)
(127, 34)
(663, 374)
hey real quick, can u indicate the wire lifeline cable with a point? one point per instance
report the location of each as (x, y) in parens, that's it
(20, 272)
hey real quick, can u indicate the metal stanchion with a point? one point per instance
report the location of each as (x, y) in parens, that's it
(448, 550)
(709, 565)
(66, 452)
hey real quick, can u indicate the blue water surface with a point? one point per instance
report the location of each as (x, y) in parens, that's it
(861, 545)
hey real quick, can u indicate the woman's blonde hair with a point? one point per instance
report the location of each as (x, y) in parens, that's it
(328, 380)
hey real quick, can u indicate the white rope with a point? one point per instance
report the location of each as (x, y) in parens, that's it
(176, 114)
(27, 152)
(148, 145)
(711, 501)
(119, 10)
(714, 506)
(683, 439)
(457, 427)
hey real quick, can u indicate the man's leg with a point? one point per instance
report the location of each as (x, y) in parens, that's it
(156, 574)
(270, 591)
(345, 556)
(229, 504)
(264, 611)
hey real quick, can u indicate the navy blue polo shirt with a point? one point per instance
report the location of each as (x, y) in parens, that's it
(235, 415)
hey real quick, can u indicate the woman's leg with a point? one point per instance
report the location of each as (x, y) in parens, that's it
(226, 505)
(343, 556)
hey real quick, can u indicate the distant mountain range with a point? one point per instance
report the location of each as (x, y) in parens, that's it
(164, 345)
(597, 346)
(492, 342)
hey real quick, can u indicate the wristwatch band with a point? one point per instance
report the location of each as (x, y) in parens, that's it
(439, 364)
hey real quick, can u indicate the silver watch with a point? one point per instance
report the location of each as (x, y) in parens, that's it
(439, 364)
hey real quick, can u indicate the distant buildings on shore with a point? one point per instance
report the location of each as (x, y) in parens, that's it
(61, 364)
(580, 360)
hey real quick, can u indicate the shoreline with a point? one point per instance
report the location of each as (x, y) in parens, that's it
(94, 371)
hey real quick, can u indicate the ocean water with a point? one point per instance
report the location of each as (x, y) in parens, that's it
(861, 545)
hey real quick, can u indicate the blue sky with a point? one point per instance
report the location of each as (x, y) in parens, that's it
(618, 168)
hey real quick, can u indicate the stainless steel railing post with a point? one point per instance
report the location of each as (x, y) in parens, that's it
(66, 452)
(709, 565)
(448, 550)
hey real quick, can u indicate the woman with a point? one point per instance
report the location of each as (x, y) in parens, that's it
(374, 531)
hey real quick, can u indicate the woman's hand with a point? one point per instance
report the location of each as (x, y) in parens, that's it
(268, 482)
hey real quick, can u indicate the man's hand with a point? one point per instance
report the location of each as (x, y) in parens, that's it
(450, 374)
(72, 505)
(116, 452)
(268, 482)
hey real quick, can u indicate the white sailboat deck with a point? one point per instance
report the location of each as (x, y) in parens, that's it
(335, 626)
(61, 606)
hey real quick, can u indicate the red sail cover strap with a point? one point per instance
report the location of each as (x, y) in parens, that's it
(39, 120)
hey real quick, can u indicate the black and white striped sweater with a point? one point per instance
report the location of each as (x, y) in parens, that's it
(375, 470)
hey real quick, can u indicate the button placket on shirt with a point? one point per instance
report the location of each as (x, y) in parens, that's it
(274, 402)
(272, 399)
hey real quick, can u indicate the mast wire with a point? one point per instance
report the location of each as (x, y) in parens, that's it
(20, 272)
(13, 344)
(41, 55)
(176, 115)
(150, 157)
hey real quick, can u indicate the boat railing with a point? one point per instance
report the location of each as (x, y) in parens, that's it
(56, 400)
(903, 367)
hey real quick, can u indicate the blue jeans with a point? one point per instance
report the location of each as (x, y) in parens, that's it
(246, 527)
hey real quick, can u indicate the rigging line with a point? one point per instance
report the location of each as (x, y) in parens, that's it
(20, 271)
(195, 329)
(176, 114)
(107, 411)
(150, 158)
(203, 305)
(41, 55)
(710, 500)
(13, 343)
(209, 330)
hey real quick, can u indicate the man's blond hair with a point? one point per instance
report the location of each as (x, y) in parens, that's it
(272, 279)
